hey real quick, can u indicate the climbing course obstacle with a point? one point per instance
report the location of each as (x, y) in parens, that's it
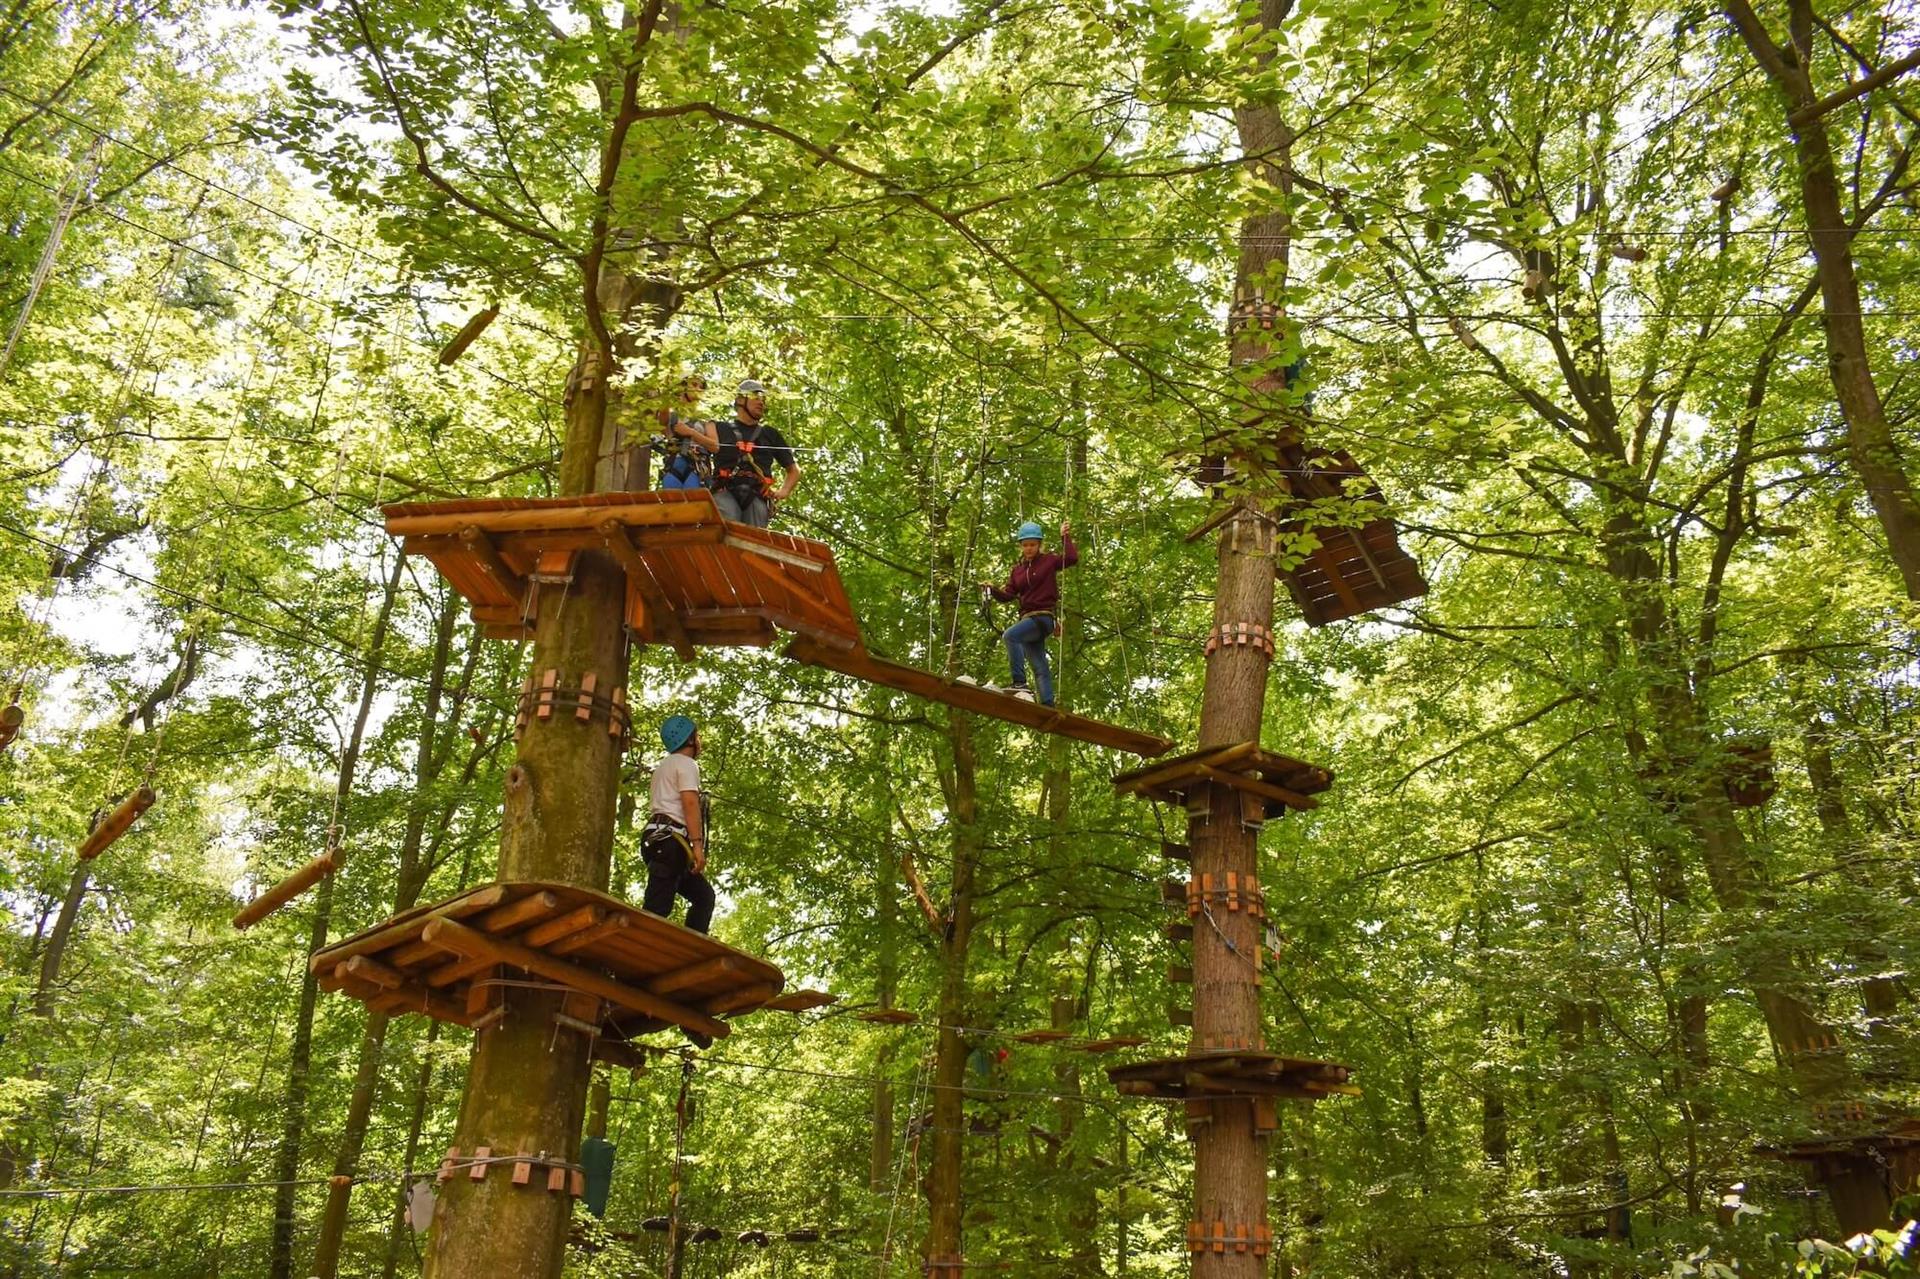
(693, 579)
(1227, 1076)
(1351, 569)
(626, 973)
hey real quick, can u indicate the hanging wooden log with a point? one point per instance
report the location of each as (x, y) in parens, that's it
(1725, 191)
(465, 337)
(117, 823)
(284, 891)
(1629, 252)
(12, 716)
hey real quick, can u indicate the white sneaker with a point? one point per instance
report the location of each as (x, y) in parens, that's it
(1021, 691)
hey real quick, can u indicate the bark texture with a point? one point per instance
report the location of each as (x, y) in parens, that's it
(1229, 1156)
(1871, 447)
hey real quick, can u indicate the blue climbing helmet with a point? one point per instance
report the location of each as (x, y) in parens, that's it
(1029, 532)
(676, 732)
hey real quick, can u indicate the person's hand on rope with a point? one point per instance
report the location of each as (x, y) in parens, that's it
(1066, 528)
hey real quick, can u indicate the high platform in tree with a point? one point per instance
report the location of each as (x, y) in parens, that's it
(1206, 1076)
(626, 972)
(693, 579)
(1270, 785)
(1353, 570)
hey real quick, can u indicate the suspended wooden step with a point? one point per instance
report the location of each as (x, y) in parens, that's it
(889, 1016)
(1110, 1043)
(1204, 1076)
(863, 665)
(630, 973)
(800, 1001)
(285, 891)
(1270, 784)
(1354, 570)
(116, 823)
(693, 579)
(1042, 1036)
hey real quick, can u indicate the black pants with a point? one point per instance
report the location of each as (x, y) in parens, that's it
(670, 874)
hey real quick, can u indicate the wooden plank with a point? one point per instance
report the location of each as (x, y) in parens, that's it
(864, 665)
(588, 937)
(1171, 769)
(1267, 790)
(474, 944)
(285, 891)
(694, 974)
(499, 516)
(371, 970)
(405, 927)
(748, 547)
(799, 1001)
(529, 909)
(798, 603)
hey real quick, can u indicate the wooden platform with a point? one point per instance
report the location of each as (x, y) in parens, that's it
(1206, 1076)
(693, 579)
(972, 697)
(627, 972)
(1273, 784)
(1354, 570)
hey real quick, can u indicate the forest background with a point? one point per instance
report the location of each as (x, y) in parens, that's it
(982, 253)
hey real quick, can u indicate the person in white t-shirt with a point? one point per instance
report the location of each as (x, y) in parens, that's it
(674, 841)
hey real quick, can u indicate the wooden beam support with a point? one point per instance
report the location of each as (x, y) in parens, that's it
(641, 582)
(458, 938)
(481, 547)
(1240, 781)
(780, 554)
(526, 910)
(693, 974)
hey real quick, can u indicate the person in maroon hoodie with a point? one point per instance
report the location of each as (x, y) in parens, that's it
(1035, 583)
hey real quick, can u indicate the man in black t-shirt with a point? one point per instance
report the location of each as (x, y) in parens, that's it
(743, 484)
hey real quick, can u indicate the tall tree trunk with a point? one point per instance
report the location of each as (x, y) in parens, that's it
(373, 1035)
(47, 993)
(886, 983)
(526, 1084)
(422, 1092)
(944, 1174)
(1871, 446)
(1230, 1155)
(300, 1055)
(1880, 995)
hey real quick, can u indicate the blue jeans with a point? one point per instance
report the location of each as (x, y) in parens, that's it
(1027, 642)
(671, 478)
